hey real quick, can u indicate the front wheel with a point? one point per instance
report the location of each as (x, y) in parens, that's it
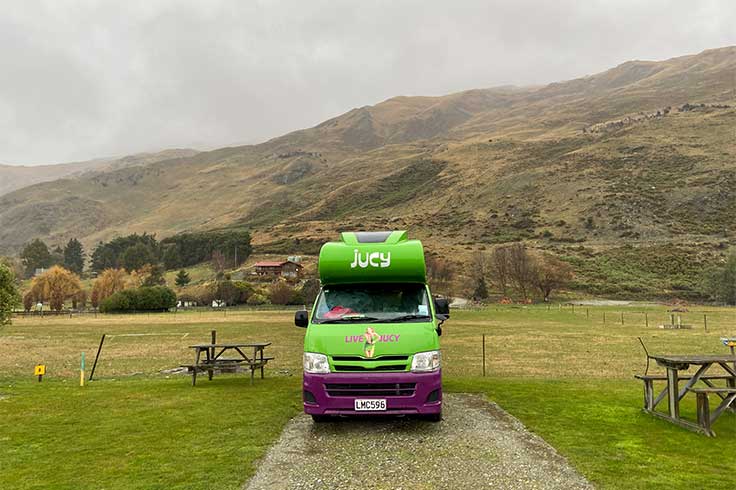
(433, 417)
(321, 419)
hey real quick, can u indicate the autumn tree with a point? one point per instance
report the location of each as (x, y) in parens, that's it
(550, 274)
(9, 296)
(56, 285)
(108, 283)
(74, 256)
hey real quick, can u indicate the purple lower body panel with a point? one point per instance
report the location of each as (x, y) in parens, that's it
(405, 393)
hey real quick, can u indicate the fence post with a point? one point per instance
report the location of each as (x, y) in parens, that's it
(622, 318)
(99, 349)
(604, 318)
(705, 321)
(587, 313)
(484, 355)
(646, 319)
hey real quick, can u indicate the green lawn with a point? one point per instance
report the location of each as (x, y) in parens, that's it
(139, 433)
(565, 374)
(600, 428)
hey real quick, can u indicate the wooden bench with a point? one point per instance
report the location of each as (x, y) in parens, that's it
(705, 418)
(650, 402)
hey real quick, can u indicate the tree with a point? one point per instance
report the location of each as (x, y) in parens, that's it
(720, 282)
(281, 293)
(57, 256)
(521, 269)
(439, 272)
(172, 257)
(109, 255)
(219, 263)
(550, 274)
(310, 290)
(56, 285)
(136, 256)
(9, 297)
(74, 256)
(35, 255)
(182, 278)
(154, 275)
(108, 283)
(499, 269)
(478, 276)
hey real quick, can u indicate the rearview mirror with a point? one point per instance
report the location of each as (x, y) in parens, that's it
(301, 319)
(442, 307)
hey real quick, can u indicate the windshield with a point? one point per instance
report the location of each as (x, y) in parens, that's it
(372, 303)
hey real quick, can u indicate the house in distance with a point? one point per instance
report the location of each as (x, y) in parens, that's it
(287, 269)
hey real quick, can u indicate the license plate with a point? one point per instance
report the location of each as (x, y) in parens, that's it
(371, 405)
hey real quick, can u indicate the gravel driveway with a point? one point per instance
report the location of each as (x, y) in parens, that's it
(477, 445)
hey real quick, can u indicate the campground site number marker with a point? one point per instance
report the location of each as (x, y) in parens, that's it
(39, 371)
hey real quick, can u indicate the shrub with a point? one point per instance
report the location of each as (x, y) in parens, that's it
(281, 293)
(156, 298)
(257, 299)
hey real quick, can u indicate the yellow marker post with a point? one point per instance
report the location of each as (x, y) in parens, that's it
(81, 372)
(39, 371)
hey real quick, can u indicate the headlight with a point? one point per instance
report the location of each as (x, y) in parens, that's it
(316, 363)
(426, 361)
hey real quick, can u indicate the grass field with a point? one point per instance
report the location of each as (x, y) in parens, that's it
(565, 374)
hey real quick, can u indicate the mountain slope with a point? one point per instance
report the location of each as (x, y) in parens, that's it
(14, 177)
(627, 156)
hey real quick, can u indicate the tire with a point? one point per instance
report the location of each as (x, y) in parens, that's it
(433, 417)
(321, 419)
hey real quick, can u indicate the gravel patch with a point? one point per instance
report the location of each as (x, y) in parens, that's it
(477, 445)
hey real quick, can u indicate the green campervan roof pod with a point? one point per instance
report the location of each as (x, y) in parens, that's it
(372, 257)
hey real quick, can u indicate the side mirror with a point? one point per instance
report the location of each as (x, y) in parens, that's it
(301, 318)
(442, 307)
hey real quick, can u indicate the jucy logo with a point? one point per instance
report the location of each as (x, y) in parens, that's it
(369, 339)
(372, 259)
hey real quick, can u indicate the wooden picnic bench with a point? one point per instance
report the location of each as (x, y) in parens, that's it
(213, 359)
(674, 394)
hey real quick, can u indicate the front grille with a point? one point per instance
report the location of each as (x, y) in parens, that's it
(369, 364)
(399, 367)
(370, 359)
(370, 389)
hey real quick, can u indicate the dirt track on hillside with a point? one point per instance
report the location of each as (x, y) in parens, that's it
(477, 445)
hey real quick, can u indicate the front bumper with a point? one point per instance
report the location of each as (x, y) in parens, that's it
(335, 393)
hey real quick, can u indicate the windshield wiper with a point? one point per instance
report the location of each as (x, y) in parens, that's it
(349, 319)
(404, 318)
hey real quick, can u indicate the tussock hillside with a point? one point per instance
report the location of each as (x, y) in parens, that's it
(14, 177)
(640, 155)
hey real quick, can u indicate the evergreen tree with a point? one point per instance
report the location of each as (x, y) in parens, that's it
(9, 296)
(155, 276)
(136, 256)
(481, 290)
(182, 278)
(74, 256)
(35, 255)
(57, 256)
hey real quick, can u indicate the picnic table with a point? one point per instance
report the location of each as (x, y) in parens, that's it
(675, 364)
(213, 359)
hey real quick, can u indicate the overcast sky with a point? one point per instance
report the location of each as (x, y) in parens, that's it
(87, 79)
